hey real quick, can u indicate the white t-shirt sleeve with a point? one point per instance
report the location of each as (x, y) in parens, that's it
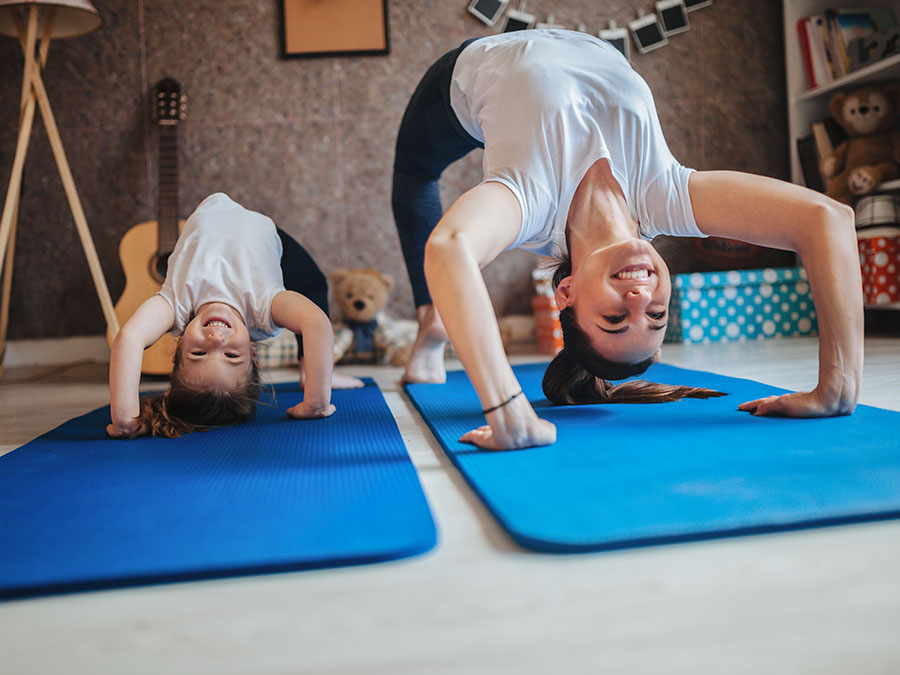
(665, 206)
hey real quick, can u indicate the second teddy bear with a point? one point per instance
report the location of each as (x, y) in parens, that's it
(871, 153)
(364, 334)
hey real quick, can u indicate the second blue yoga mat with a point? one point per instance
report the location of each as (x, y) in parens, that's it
(79, 510)
(631, 475)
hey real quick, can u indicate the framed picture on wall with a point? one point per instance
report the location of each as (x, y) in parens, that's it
(334, 27)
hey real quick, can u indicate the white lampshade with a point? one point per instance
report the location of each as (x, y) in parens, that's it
(71, 18)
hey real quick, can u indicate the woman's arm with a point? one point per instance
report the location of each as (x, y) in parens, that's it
(774, 213)
(481, 224)
(300, 315)
(148, 323)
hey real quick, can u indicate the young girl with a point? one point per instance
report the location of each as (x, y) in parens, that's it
(576, 167)
(224, 290)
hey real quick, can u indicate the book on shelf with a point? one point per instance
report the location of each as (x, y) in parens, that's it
(809, 163)
(812, 149)
(840, 61)
(812, 47)
(838, 41)
(828, 134)
(822, 141)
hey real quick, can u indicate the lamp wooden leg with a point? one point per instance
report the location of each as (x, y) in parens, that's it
(26, 120)
(7, 287)
(10, 216)
(33, 91)
(75, 203)
(10, 207)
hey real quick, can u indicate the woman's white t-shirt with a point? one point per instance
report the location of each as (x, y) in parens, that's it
(547, 104)
(229, 254)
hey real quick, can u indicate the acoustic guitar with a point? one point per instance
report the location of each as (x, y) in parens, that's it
(145, 248)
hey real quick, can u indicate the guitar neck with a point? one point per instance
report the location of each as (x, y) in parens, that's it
(168, 186)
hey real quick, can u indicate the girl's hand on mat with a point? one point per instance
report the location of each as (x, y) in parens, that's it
(306, 411)
(800, 404)
(129, 431)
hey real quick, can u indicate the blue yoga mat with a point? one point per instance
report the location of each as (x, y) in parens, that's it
(631, 475)
(81, 511)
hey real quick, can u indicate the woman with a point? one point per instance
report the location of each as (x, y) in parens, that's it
(576, 167)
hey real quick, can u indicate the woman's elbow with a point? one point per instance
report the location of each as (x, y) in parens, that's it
(840, 216)
(827, 221)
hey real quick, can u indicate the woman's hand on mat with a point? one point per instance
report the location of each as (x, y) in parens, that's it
(544, 433)
(800, 404)
(308, 411)
(511, 428)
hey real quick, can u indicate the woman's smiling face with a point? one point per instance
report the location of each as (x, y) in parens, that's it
(620, 296)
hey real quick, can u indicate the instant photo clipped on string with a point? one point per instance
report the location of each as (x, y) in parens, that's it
(673, 16)
(618, 38)
(517, 19)
(487, 11)
(550, 23)
(647, 33)
(691, 5)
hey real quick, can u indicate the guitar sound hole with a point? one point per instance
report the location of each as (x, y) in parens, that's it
(159, 266)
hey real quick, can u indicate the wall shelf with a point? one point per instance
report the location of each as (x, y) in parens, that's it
(807, 105)
(885, 69)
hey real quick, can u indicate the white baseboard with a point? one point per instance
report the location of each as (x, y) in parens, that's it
(56, 351)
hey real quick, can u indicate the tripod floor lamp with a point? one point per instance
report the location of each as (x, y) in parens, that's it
(35, 24)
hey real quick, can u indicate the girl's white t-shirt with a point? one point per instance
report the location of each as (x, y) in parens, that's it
(226, 253)
(547, 104)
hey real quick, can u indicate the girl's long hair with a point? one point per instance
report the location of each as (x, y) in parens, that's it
(185, 408)
(579, 375)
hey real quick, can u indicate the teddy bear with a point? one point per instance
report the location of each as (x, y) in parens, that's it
(364, 333)
(871, 153)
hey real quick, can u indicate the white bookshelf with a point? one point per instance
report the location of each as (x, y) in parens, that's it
(810, 105)
(806, 105)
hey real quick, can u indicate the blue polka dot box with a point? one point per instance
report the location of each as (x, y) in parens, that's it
(741, 305)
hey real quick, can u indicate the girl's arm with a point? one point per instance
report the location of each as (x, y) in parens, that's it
(775, 213)
(300, 315)
(148, 323)
(476, 229)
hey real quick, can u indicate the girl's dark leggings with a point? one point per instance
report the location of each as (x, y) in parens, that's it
(302, 275)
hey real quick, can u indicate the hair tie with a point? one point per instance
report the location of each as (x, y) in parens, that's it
(507, 401)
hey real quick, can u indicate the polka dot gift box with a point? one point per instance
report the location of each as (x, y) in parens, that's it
(879, 257)
(741, 305)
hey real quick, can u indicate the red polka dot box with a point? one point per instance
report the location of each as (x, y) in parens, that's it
(741, 305)
(879, 257)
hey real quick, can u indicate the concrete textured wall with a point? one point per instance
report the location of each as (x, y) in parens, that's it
(310, 141)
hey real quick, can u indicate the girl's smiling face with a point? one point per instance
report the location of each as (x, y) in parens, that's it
(216, 350)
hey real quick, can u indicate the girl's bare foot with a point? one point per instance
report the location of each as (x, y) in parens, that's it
(426, 361)
(338, 381)
(345, 382)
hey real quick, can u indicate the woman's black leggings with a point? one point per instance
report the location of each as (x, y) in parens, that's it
(430, 139)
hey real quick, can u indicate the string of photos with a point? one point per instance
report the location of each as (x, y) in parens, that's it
(647, 31)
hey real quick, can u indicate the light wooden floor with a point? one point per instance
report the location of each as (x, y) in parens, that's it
(824, 601)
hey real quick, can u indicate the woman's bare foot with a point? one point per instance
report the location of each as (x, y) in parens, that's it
(426, 361)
